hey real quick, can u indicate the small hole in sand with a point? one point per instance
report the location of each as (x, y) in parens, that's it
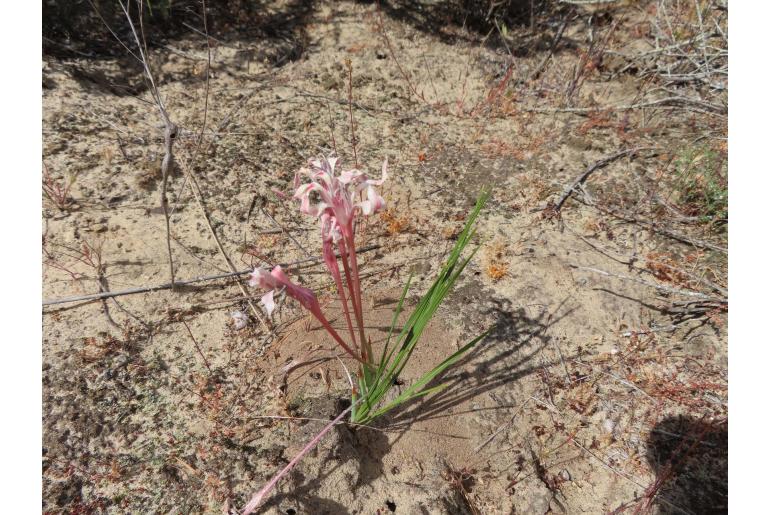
(391, 505)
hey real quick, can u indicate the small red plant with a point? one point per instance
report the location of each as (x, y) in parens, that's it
(56, 191)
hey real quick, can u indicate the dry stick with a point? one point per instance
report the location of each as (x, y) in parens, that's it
(353, 141)
(493, 435)
(166, 286)
(630, 385)
(366, 109)
(618, 472)
(208, 85)
(704, 107)
(627, 477)
(169, 133)
(117, 38)
(591, 169)
(540, 67)
(393, 56)
(619, 258)
(331, 129)
(665, 232)
(197, 347)
(667, 289)
(257, 499)
(283, 231)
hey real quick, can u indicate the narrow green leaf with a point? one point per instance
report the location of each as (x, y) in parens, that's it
(394, 359)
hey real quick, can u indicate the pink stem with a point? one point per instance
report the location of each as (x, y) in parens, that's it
(257, 499)
(321, 318)
(334, 269)
(355, 293)
(356, 283)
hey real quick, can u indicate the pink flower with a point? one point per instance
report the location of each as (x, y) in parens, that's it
(374, 202)
(336, 193)
(277, 279)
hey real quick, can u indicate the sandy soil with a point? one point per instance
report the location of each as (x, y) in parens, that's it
(583, 399)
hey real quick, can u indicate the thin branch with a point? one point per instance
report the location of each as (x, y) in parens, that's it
(169, 134)
(591, 169)
(200, 279)
(665, 232)
(667, 289)
(540, 67)
(674, 102)
(198, 348)
(353, 141)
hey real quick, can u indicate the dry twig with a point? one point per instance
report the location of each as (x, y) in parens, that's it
(167, 286)
(591, 169)
(170, 128)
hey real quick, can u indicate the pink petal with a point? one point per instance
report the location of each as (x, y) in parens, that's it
(305, 189)
(349, 176)
(261, 279)
(268, 302)
(305, 296)
(384, 174)
(373, 203)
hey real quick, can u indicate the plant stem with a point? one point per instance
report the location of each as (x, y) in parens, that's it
(351, 276)
(257, 499)
(321, 318)
(331, 263)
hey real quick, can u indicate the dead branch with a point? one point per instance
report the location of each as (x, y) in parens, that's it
(170, 129)
(540, 67)
(629, 261)
(168, 286)
(591, 169)
(695, 242)
(660, 287)
(694, 104)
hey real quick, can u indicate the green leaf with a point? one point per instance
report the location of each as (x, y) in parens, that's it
(393, 361)
(415, 390)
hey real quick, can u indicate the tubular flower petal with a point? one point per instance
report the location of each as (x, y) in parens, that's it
(268, 302)
(336, 192)
(373, 203)
(277, 278)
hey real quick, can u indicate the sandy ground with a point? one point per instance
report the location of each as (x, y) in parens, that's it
(583, 399)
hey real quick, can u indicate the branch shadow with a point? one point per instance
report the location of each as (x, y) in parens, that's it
(264, 32)
(479, 18)
(689, 457)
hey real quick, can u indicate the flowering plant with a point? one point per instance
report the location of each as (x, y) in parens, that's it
(337, 201)
(331, 199)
